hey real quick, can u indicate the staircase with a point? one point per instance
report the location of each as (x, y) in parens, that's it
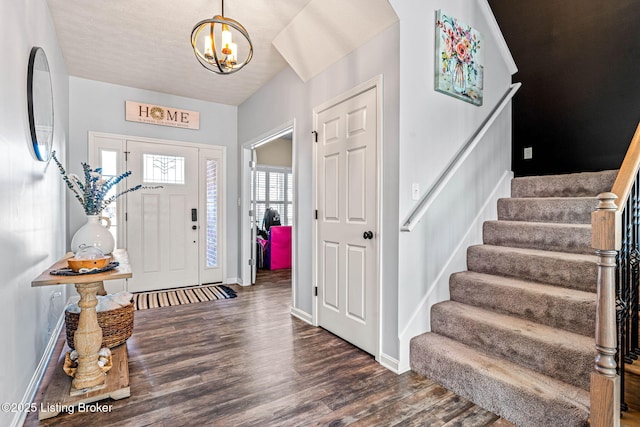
(517, 336)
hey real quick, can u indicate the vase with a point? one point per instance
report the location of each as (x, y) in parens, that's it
(457, 78)
(93, 233)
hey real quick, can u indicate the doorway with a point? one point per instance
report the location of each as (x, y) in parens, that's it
(268, 181)
(174, 235)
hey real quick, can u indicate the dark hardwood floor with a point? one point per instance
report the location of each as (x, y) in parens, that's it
(248, 362)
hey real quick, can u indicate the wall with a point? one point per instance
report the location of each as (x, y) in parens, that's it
(578, 62)
(433, 127)
(217, 127)
(285, 98)
(275, 153)
(32, 209)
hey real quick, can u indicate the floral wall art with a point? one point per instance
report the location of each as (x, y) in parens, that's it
(459, 71)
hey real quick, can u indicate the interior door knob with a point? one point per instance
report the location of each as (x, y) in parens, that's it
(368, 235)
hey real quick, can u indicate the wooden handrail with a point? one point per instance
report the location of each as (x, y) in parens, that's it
(423, 205)
(628, 171)
(606, 239)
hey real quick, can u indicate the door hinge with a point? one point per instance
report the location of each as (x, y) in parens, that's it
(252, 164)
(316, 213)
(315, 291)
(126, 216)
(251, 262)
(126, 156)
(251, 212)
(315, 133)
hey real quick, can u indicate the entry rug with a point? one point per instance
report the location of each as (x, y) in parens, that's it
(144, 300)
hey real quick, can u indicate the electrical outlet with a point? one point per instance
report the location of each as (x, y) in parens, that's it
(415, 191)
(528, 153)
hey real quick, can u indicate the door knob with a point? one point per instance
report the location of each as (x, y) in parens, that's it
(368, 235)
(194, 227)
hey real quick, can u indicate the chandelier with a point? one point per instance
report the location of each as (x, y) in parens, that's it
(219, 52)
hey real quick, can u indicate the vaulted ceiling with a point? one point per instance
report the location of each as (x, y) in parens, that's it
(146, 44)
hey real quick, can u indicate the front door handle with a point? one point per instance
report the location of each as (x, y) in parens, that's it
(368, 235)
(194, 227)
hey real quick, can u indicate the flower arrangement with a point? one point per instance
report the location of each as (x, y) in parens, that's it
(92, 193)
(461, 42)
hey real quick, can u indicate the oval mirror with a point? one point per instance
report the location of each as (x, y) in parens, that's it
(40, 104)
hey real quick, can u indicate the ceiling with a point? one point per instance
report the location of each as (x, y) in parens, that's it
(146, 44)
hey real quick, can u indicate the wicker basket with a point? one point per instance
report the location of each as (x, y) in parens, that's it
(117, 325)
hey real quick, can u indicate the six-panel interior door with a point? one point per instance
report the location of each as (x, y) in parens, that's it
(162, 224)
(347, 220)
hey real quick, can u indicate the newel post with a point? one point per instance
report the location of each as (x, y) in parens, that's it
(605, 383)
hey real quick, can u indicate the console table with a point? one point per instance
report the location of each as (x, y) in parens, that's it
(90, 384)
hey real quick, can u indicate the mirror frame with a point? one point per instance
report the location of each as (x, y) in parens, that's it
(40, 104)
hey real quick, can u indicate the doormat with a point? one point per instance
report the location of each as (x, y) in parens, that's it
(171, 297)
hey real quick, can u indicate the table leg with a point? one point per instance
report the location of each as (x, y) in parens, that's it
(88, 338)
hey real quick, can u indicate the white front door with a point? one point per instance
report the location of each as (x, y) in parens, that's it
(346, 190)
(162, 224)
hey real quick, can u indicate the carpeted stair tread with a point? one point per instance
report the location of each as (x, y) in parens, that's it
(575, 271)
(568, 210)
(574, 238)
(553, 352)
(554, 306)
(583, 184)
(516, 393)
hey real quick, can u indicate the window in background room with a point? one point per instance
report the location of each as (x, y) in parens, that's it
(274, 189)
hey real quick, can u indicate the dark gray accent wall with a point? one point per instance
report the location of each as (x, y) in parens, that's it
(579, 64)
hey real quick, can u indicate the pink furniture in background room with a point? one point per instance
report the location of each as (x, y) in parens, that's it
(278, 254)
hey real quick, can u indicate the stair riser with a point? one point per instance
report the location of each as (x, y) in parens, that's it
(579, 275)
(565, 211)
(565, 364)
(557, 312)
(588, 184)
(537, 236)
(519, 405)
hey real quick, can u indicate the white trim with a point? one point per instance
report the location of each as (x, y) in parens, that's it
(302, 315)
(377, 83)
(498, 36)
(233, 281)
(391, 364)
(36, 378)
(420, 316)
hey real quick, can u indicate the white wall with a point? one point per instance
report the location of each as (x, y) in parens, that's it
(285, 98)
(32, 209)
(433, 127)
(97, 106)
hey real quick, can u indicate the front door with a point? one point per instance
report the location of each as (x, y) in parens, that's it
(346, 190)
(162, 224)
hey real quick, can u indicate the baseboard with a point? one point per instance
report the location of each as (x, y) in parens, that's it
(302, 315)
(32, 388)
(391, 363)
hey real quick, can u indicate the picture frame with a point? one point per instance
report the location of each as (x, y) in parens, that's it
(459, 69)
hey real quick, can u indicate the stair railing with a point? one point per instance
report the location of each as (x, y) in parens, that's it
(615, 237)
(456, 162)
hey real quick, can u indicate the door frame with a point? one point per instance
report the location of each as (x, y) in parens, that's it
(245, 202)
(91, 155)
(377, 83)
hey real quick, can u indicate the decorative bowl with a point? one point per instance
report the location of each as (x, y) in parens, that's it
(77, 264)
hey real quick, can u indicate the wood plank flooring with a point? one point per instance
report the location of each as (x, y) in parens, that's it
(247, 362)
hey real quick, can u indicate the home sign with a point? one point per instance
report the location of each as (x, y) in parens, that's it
(164, 116)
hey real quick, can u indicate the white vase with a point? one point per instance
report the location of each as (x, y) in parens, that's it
(93, 233)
